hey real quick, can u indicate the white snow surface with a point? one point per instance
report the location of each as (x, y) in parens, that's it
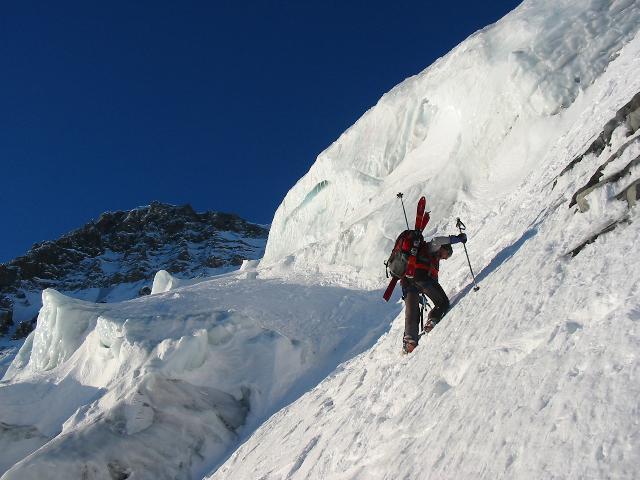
(291, 369)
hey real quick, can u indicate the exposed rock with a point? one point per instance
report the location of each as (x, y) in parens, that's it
(8, 275)
(23, 329)
(6, 321)
(144, 291)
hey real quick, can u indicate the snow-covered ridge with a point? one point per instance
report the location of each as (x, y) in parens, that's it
(461, 131)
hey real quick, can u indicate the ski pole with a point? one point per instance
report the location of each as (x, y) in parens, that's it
(400, 195)
(461, 226)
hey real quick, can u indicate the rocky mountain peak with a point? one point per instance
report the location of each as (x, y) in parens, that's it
(129, 247)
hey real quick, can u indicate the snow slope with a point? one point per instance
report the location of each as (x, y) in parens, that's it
(536, 375)
(529, 132)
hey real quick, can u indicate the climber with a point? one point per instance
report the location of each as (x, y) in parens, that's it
(425, 281)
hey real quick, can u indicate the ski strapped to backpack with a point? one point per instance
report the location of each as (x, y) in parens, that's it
(403, 258)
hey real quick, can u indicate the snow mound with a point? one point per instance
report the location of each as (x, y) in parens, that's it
(163, 282)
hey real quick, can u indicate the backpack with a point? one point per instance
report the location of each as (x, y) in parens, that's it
(406, 246)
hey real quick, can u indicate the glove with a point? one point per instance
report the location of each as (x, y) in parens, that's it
(462, 238)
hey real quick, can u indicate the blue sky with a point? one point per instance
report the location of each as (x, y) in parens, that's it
(220, 104)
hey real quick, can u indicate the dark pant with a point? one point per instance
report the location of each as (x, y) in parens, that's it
(410, 292)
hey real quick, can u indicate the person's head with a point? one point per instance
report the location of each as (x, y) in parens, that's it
(445, 251)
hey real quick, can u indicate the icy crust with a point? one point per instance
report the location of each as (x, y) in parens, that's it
(472, 125)
(161, 386)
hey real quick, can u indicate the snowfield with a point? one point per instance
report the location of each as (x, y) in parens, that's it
(291, 369)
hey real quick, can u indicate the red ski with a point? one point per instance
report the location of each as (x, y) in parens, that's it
(425, 220)
(411, 265)
(420, 212)
(389, 290)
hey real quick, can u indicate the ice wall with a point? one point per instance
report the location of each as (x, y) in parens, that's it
(472, 124)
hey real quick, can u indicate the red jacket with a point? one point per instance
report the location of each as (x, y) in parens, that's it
(428, 260)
